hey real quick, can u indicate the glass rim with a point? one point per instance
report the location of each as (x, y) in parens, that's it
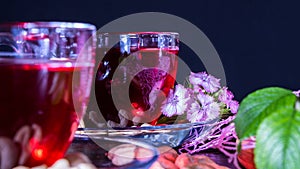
(139, 33)
(22, 55)
(54, 62)
(49, 24)
(15, 56)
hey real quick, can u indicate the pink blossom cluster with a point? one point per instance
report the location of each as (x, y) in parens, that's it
(202, 100)
(297, 93)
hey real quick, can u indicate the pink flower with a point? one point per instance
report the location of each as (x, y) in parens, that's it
(176, 103)
(208, 82)
(297, 93)
(225, 95)
(234, 106)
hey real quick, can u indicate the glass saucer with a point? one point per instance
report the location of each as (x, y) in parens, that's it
(172, 135)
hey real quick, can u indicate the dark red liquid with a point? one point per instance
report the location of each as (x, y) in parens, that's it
(145, 71)
(37, 109)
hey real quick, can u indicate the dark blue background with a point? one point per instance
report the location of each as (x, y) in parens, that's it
(258, 41)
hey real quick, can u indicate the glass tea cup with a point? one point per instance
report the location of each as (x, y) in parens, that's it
(135, 74)
(46, 72)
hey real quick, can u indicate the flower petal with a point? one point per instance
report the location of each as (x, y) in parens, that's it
(234, 105)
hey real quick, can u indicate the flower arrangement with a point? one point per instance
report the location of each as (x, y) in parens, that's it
(203, 99)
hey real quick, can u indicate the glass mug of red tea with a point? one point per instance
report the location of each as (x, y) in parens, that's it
(136, 72)
(45, 72)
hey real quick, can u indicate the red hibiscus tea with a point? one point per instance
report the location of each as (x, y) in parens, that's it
(41, 104)
(45, 72)
(135, 76)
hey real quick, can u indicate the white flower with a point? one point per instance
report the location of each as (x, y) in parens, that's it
(198, 113)
(204, 108)
(176, 103)
(212, 110)
(195, 113)
(204, 99)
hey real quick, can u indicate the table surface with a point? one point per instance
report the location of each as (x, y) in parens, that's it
(97, 155)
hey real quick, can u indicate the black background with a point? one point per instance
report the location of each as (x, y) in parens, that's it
(258, 41)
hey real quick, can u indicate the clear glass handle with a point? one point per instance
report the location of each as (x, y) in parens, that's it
(7, 43)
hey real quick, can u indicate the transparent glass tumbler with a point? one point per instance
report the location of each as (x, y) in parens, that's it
(46, 71)
(136, 72)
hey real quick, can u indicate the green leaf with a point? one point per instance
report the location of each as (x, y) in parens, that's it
(166, 120)
(277, 141)
(259, 105)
